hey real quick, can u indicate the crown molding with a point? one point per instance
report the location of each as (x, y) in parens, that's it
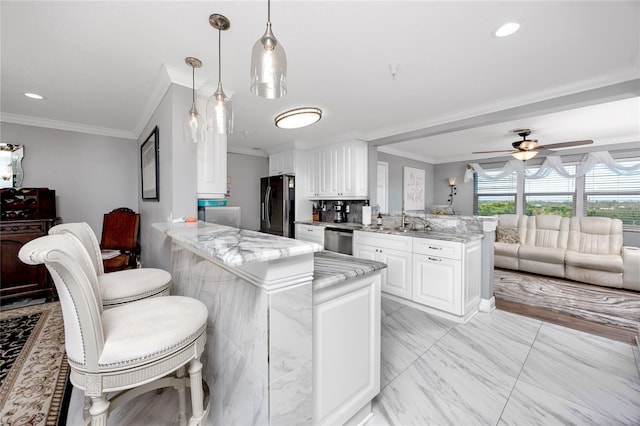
(160, 86)
(247, 151)
(65, 125)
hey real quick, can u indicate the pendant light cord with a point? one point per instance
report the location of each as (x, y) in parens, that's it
(219, 57)
(193, 83)
(268, 10)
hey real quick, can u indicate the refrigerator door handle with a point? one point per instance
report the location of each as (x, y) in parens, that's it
(267, 206)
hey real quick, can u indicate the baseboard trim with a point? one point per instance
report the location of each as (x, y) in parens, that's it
(487, 305)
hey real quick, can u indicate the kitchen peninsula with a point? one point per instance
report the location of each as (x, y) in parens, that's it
(294, 332)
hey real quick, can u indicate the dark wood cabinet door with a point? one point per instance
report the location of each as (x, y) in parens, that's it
(17, 279)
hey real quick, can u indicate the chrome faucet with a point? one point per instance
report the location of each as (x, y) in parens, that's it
(425, 223)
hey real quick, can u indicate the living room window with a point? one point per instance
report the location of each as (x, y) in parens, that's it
(552, 194)
(609, 194)
(601, 192)
(493, 197)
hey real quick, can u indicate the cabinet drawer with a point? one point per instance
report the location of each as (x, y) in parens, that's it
(311, 233)
(395, 242)
(448, 249)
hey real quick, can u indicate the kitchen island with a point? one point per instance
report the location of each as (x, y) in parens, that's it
(294, 332)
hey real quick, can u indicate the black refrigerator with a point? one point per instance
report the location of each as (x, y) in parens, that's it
(277, 205)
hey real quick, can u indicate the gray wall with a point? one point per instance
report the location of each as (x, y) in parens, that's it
(245, 172)
(177, 169)
(463, 201)
(396, 165)
(91, 174)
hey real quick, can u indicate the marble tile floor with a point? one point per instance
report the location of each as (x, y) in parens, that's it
(498, 369)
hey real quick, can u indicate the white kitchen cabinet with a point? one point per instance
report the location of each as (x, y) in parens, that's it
(339, 171)
(346, 349)
(436, 282)
(393, 250)
(446, 275)
(282, 163)
(311, 233)
(439, 276)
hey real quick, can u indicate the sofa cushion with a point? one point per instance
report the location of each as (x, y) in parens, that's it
(547, 231)
(596, 235)
(507, 235)
(542, 254)
(604, 262)
(506, 249)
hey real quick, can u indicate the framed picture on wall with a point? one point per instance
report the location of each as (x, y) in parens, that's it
(149, 166)
(413, 189)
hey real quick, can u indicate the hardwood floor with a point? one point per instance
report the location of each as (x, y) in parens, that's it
(602, 311)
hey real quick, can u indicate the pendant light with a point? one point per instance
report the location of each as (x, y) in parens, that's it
(268, 64)
(193, 125)
(219, 110)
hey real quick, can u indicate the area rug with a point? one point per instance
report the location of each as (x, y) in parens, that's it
(602, 305)
(33, 367)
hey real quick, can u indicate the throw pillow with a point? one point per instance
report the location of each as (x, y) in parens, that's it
(507, 235)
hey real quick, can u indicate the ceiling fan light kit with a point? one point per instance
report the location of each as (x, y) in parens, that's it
(526, 149)
(268, 65)
(219, 108)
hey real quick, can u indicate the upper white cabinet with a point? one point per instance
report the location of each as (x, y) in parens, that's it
(339, 171)
(282, 163)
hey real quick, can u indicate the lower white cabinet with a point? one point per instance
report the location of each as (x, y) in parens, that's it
(346, 349)
(310, 233)
(397, 277)
(436, 282)
(443, 276)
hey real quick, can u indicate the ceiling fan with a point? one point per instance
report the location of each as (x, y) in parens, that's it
(529, 148)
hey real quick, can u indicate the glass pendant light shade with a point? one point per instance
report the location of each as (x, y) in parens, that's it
(268, 65)
(219, 110)
(220, 113)
(193, 124)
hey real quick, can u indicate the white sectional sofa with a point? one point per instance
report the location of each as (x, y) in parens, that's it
(585, 249)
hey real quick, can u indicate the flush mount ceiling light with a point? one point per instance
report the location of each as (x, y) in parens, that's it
(524, 155)
(507, 29)
(299, 117)
(268, 65)
(33, 96)
(193, 126)
(219, 110)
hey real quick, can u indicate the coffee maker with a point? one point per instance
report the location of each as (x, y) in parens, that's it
(339, 213)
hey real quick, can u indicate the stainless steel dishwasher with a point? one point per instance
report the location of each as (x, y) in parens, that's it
(338, 240)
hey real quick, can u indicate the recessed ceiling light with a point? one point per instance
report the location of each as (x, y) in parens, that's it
(34, 96)
(299, 117)
(507, 29)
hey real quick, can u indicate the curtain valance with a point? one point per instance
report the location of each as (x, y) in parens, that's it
(551, 163)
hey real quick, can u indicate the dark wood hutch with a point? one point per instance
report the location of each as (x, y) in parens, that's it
(25, 214)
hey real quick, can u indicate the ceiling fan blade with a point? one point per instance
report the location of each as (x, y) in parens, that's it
(506, 151)
(564, 144)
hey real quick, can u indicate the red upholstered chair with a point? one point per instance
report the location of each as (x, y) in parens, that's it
(120, 230)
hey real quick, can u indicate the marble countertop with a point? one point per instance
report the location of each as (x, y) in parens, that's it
(233, 246)
(434, 235)
(331, 268)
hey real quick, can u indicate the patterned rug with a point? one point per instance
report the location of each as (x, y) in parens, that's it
(33, 367)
